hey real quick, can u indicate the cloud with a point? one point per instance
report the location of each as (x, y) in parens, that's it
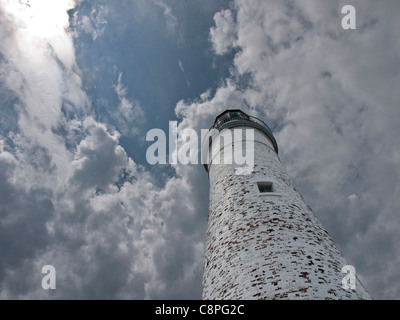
(181, 66)
(98, 152)
(71, 192)
(23, 213)
(183, 71)
(129, 112)
(170, 19)
(95, 23)
(222, 36)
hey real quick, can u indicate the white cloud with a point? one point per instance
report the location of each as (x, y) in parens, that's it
(96, 23)
(183, 71)
(98, 152)
(71, 193)
(170, 19)
(181, 66)
(39, 67)
(129, 113)
(223, 35)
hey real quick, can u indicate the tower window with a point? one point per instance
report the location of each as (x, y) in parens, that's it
(265, 187)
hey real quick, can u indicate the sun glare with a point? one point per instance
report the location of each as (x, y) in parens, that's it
(40, 18)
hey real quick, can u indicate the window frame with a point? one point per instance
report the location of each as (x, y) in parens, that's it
(267, 184)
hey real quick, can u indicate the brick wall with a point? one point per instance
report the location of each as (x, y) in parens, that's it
(267, 246)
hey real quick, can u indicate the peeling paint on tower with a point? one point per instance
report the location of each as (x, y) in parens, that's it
(266, 245)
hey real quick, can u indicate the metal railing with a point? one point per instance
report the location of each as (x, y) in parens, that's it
(237, 117)
(241, 118)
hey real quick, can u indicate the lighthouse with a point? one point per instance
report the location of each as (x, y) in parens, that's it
(263, 241)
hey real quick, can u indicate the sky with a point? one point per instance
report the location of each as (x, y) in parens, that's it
(82, 82)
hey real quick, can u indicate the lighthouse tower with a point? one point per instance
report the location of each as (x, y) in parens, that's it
(263, 240)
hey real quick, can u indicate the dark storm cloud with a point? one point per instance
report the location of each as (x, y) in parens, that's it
(23, 233)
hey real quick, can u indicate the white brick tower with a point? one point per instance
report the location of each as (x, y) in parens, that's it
(263, 240)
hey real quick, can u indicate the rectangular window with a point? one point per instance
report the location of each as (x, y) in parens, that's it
(265, 187)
